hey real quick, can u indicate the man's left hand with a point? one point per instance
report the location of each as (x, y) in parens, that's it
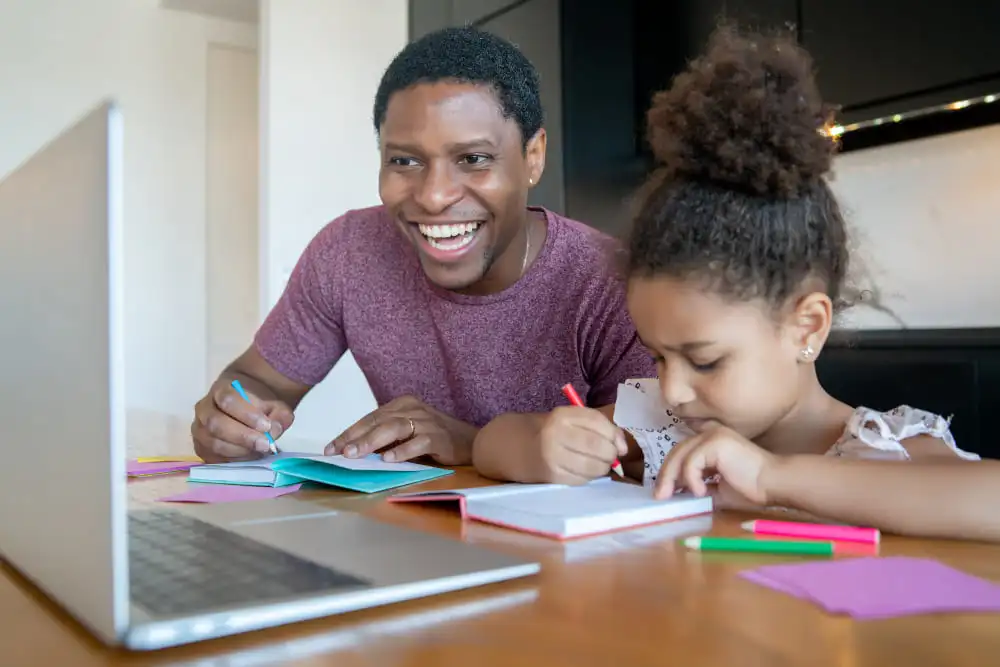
(407, 428)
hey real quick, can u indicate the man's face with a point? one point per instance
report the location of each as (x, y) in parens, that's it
(455, 178)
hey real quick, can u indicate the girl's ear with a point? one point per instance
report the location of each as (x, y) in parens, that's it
(809, 325)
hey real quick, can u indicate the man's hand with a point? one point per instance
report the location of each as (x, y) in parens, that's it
(227, 428)
(409, 428)
(576, 445)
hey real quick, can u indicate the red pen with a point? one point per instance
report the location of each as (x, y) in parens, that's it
(574, 398)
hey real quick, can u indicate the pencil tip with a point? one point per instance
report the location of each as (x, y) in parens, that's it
(692, 542)
(747, 525)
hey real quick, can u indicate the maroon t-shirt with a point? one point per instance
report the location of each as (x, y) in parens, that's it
(359, 286)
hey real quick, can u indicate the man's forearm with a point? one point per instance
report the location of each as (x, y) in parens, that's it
(910, 498)
(260, 379)
(506, 448)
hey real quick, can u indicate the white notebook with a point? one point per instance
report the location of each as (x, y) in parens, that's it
(566, 512)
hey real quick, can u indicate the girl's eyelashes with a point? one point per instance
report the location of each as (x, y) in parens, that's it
(701, 368)
(705, 368)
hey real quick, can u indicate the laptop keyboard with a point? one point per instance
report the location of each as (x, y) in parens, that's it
(179, 564)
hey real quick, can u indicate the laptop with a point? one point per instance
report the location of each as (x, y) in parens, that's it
(152, 578)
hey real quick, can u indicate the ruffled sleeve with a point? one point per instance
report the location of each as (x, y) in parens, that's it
(640, 411)
(870, 434)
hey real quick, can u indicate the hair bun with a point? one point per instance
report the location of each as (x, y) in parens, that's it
(746, 114)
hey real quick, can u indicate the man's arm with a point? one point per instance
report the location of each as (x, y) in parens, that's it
(930, 496)
(261, 378)
(296, 346)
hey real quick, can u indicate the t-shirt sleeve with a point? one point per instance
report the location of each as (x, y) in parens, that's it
(612, 352)
(303, 335)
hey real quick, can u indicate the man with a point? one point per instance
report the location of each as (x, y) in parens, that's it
(466, 310)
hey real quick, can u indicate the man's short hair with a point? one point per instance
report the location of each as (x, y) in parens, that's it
(467, 55)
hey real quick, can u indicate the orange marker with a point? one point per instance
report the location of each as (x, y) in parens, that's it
(574, 398)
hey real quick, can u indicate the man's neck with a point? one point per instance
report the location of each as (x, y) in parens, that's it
(517, 257)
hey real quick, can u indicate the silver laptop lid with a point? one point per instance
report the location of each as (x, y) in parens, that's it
(63, 499)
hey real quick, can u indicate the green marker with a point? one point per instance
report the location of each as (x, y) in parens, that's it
(812, 548)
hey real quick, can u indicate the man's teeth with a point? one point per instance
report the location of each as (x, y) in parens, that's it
(449, 237)
(447, 231)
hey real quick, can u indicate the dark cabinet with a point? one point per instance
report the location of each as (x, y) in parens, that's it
(891, 56)
(952, 372)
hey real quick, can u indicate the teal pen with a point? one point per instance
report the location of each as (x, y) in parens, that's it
(239, 388)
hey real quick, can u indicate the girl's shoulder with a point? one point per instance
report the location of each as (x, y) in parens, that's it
(871, 434)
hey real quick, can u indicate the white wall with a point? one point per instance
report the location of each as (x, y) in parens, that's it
(321, 62)
(232, 280)
(927, 224)
(60, 57)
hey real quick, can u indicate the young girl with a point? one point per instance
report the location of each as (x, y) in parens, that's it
(736, 264)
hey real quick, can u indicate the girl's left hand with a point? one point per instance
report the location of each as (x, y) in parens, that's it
(740, 464)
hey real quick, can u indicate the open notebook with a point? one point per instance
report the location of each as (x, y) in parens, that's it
(565, 512)
(369, 475)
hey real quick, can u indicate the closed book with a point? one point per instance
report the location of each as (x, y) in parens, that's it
(565, 512)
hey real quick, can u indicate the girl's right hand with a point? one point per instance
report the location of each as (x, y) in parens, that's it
(576, 445)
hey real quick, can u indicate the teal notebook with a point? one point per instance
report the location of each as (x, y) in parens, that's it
(367, 475)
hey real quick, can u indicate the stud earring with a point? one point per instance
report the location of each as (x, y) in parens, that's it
(807, 353)
(531, 181)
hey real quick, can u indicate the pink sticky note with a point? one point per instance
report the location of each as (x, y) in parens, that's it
(227, 493)
(136, 468)
(867, 588)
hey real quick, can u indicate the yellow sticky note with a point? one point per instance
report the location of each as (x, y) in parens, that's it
(168, 459)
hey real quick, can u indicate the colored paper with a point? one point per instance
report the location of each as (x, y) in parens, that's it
(136, 469)
(225, 493)
(870, 588)
(169, 459)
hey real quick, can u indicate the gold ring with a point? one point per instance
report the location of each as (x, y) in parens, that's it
(413, 428)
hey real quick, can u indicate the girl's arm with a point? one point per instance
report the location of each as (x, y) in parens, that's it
(934, 495)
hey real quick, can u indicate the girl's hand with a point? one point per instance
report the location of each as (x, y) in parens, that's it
(741, 465)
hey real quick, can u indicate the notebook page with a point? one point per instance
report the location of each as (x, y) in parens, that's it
(490, 491)
(263, 462)
(372, 462)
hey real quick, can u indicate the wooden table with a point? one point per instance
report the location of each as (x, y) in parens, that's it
(637, 598)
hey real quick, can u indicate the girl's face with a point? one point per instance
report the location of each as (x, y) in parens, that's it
(721, 360)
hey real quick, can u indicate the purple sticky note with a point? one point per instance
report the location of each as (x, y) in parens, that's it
(226, 493)
(158, 467)
(867, 588)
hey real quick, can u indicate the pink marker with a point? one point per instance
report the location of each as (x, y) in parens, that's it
(815, 531)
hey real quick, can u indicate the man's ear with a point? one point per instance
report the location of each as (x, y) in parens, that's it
(534, 154)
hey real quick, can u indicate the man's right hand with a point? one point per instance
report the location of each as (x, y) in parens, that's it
(227, 428)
